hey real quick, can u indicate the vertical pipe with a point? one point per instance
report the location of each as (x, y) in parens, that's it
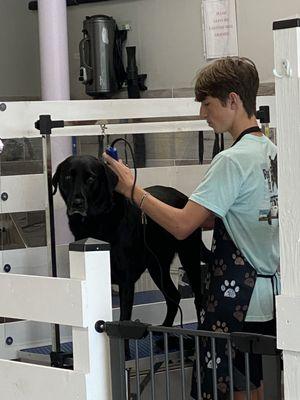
(54, 61)
(137, 370)
(167, 366)
(199, 392)
(230, 367)
(214, 371)
(182, 368)
(247, 370)
(152, 367)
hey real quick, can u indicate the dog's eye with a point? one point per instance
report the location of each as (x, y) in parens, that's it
(68, 177)
(90, 180)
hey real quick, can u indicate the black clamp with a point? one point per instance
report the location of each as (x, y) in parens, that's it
(123, 329)
(45, 124)
(263, 114)
(255, 343)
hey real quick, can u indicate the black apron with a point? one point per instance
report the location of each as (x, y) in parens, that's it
(230, 283)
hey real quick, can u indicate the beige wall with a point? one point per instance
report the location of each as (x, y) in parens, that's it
(167, 33)
(19, 66)
(255, 35)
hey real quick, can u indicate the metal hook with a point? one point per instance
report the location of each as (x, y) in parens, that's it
(286, 67)
(103, 128)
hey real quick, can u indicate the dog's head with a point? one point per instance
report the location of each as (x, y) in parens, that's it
(86, 185)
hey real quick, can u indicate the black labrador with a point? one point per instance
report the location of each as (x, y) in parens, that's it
(95, 210)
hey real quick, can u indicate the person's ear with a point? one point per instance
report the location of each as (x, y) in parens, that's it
(234, 100)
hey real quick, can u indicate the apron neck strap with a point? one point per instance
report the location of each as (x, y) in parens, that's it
(245, 132)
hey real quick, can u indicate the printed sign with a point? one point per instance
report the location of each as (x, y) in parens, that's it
(220, 33)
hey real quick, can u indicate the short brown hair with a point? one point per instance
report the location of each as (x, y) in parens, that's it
(226, 75)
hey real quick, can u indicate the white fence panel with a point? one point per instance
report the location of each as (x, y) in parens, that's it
(36, 298)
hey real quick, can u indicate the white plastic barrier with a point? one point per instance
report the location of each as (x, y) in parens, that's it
(79, 302)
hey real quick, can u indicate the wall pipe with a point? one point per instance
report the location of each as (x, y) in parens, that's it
(33, 5)
(54, 61)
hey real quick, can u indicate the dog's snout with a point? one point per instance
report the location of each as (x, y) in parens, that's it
(78, 206)
(78, 202)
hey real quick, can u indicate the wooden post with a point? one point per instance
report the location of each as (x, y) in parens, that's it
(90, 261)
(286, 71)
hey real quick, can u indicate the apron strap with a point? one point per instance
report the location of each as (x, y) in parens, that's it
(273, 287)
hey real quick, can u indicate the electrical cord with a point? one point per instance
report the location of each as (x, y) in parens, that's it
(144, 225)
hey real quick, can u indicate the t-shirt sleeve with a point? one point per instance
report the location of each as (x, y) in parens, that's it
(220, 187)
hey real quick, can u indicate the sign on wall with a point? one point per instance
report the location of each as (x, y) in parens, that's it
(219, 26)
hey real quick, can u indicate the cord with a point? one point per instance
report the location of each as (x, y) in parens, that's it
(144, 226)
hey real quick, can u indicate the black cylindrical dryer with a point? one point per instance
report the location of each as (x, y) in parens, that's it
(97, 70)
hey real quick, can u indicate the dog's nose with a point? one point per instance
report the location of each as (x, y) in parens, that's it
(78, 202)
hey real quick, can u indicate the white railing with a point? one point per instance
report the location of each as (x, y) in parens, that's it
(79, 302)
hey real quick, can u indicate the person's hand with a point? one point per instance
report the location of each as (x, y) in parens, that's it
(124, 174)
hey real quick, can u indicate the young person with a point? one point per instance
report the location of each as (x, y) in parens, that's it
(239, 197)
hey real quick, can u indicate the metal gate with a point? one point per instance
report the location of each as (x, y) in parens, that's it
(158, 351)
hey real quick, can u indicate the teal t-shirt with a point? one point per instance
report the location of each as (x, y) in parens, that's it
(240, 187)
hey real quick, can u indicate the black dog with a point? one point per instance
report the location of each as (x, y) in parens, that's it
(95, 210)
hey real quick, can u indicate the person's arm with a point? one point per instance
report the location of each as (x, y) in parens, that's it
(179, 222)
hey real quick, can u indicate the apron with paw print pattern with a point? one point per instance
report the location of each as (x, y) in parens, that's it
(230, 283)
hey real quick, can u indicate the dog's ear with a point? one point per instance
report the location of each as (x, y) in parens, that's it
(111, 177)
(55, 179)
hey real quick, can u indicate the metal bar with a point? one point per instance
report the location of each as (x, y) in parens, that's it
(182, 367)
(50, 228)
(230, 367)
(152, 367)
(118, 378)
(127, 383)
(214, 364)
(189, 332)
(137, 370)
(199, 393)
(247, 369)
(167, 366)
(116, 121)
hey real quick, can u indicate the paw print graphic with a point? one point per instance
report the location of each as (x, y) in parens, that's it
(249, 279)
(212, 304)
(209, 361)
(239, 312)
(202, 316)
(220, 327)
(230, 289)
(206, 396)
(219, 267)
(223, 384)
(207, 280)
(238, 258)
